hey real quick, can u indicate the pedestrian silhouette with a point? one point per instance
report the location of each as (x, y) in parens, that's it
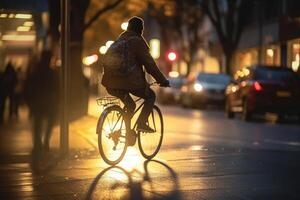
(2, 97)
(9, 81)
(42, 96)
(18, 91)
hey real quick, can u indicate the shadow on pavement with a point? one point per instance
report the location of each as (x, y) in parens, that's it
(158, 181)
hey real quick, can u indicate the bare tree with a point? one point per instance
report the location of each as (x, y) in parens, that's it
(180, 20)
(78, 83)
(229, 18)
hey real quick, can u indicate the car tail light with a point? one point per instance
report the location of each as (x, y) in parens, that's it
(257, 86)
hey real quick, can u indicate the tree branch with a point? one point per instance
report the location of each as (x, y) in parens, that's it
(241, 19)
(100, 12)
(206, 9)
(217, 10)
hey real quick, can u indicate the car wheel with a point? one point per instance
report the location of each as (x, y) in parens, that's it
(246, 114)
(228, 111)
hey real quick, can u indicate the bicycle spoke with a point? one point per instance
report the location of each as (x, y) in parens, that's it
(109, 122)
(117, 123)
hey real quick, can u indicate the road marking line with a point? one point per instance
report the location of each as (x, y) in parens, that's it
(290, 143)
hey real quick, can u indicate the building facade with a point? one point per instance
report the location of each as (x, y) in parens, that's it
(272, 37)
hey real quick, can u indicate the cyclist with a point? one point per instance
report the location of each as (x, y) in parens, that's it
(135, 82)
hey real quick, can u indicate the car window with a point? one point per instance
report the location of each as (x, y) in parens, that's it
(275, 75)
(214, 78)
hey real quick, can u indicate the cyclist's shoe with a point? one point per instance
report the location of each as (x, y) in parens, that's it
(145, 128)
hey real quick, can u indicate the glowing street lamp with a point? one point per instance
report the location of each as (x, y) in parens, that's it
(23, 28)
(108, 43)
(23, 16)
(90, 59)
(102, 49)
(28, 23)
(155, 48)
(124, 26)
(171, 56)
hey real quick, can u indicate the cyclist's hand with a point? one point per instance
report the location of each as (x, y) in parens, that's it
(166, 83)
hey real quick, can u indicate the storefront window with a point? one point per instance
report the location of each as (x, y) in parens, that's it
(293, 55)
(272, 55)
(246, 58)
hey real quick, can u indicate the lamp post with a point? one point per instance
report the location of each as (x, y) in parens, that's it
(65, 31)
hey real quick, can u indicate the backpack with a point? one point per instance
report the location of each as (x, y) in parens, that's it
(117, 60)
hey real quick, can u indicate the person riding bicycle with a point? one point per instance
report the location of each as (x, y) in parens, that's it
(134, 82)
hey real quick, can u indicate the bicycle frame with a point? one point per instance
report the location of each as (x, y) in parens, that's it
(135, 111)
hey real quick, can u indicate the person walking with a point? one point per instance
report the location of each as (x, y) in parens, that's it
(18, 91)
(9, 84)
(42, 96)
(2, 98)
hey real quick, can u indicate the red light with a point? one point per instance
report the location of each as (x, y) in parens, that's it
(172, 56)
(257, 86)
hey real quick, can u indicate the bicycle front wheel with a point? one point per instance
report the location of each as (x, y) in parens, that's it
(111, 130)
(150, 143)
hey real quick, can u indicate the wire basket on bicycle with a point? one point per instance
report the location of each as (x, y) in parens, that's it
(108, 101)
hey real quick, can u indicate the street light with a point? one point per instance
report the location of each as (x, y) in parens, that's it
(171, 56)
(102, 49)
(108, 43)
(124, 26)
(88, 60)
(155, 48)
(65, 56)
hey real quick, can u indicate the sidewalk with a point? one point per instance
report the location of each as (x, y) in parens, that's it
(16, 178)
(16, 135)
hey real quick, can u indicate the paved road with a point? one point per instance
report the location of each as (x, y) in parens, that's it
(204, 156)
(217, 158)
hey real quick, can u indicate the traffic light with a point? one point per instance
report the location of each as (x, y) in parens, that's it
(172, 56)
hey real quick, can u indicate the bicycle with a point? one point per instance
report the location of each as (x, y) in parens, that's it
(115, 133)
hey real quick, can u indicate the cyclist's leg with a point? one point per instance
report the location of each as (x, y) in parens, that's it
(149, 96)
(124, 96)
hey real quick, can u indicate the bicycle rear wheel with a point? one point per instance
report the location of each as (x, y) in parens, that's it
(150, 143)
(111, 130)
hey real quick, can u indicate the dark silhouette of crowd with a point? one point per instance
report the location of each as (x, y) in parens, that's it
(40, 91)
(42, 97)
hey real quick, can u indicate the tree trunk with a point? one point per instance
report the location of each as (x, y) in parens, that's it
(228, 60)
(78, 83)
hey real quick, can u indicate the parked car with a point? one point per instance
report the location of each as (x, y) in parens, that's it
(261, 89)
(169, 95)
(206, 89)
